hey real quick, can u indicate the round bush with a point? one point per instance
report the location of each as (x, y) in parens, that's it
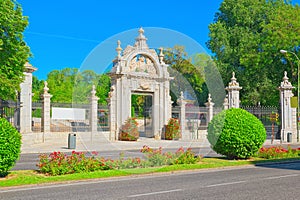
(10, 146)
(236, 133)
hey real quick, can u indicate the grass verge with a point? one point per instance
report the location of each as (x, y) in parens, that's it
(26, 177)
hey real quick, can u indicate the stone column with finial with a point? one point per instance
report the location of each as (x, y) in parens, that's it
(26, 99)
(210, 108)
(46, 121)
(288, 114)
(233, 92)
(93, 111)
(182, 102)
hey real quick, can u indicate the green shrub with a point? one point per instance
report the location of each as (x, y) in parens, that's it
(172, 130)
(129, 131)
(10, 146)
(236, 133)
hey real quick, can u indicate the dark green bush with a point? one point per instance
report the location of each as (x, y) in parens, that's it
(236, 133)
(10, 146)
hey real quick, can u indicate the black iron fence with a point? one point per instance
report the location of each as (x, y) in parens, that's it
(59, 125)
(264, 114)
(103, 118)
(10, 110)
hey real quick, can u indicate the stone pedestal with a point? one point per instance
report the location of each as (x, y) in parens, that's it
(182, 103)
(93, 112)
(46, 120)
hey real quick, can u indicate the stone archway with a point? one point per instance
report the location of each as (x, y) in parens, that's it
(139, 69)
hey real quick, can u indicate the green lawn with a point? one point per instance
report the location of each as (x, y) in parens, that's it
(25, 177)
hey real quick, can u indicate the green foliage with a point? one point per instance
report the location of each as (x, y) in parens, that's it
(37, 88)
(103, 88)
(137, 103)
(246, 37)
(61, 84)
(10, 146)
(187, 75)
(172, 130)
(236, 133)
(185, 157)
(69, 85)
(13, 50)
(129, 130)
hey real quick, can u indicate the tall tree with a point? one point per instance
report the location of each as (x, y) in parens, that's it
(188, 77)
(71, 86)
(13, 50)
(103, 88)
(246, 37)
(37, 88)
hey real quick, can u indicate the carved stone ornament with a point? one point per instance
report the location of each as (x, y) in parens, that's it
(233, 80)
(141, 63)
(145, 86)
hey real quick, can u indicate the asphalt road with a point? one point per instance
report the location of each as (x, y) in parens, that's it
(29, 161)
(272, 181)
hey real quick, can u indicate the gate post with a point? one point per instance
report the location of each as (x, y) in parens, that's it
(210, 108)
(93, 111)
(46, 121)
(26, 100)
(181, 102)
(288, 114)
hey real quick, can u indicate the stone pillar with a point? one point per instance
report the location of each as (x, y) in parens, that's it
(226, 103)
(93, 112)
(210, 108)
(26, 100)
(46, 121)
(181, 102)
(112, 114)
(233, 92)
(288, 114)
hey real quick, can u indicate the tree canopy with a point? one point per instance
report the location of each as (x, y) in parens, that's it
(188, 73)
(69, 85)
(13, 50)
(246, 37)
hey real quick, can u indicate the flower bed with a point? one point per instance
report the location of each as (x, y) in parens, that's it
(58, 163)
(274, 152)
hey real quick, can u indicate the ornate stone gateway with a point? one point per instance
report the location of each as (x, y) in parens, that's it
(139, 70)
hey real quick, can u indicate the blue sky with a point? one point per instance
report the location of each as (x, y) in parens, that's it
(63, 33)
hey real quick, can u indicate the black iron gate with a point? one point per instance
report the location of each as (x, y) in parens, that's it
(142, 111)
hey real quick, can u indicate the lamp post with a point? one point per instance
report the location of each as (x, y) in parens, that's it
(298, 66)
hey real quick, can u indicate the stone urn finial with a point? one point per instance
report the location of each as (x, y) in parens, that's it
(119, 48)
(46, 89)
